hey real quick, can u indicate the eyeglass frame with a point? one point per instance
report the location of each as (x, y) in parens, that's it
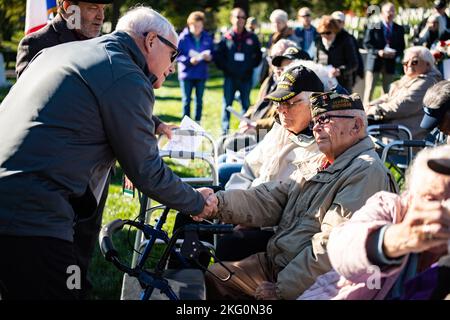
(326, 33)
(288, 105)
(167, 43)
(414, 62)
(326, 118)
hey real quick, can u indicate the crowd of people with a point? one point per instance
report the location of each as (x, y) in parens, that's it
(316, 212)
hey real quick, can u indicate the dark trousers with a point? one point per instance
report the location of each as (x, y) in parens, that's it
(36, 268)
(243, 242)
(230, 86)
(85, 239)
(187, 86)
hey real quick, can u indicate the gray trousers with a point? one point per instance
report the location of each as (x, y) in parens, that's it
(370, 81)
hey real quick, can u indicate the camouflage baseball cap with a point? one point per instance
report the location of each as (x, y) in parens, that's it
(333, 101)
(294, 81)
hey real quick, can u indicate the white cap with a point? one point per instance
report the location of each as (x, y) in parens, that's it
(338, 15)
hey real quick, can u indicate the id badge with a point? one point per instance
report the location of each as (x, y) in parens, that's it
(239, 56)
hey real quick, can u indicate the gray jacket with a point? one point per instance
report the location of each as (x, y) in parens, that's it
(78, 108)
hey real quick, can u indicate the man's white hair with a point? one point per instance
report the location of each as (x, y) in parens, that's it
(361, 114)
(278, 15)
(141, 19)
(320, 70)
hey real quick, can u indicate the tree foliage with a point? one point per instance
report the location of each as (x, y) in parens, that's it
(12, 17)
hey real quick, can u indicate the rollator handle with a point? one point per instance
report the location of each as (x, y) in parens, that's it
(105, 239)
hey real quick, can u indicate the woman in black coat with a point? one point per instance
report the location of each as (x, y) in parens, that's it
(336, 50)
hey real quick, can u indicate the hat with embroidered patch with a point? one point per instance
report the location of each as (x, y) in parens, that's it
(294, 81)
(291, 53)
(333, 101)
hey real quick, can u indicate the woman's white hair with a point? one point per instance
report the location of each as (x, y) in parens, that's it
(419, 167)
(423, 52)
(141, 19)
(278, 15)
(320, 70)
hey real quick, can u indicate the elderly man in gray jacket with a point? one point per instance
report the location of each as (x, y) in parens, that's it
(78, 108)
(324, 192)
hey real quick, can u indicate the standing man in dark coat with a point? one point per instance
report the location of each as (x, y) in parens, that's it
(384, 43)
(77, 108)
(238, 53)
(91, 16)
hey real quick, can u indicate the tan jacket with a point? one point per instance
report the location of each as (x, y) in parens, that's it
(305, 209)
(273, 158)
(403, 104)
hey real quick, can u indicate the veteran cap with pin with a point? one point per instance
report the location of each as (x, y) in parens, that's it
(333, 101)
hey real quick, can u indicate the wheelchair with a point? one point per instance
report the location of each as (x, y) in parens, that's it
(396, 153)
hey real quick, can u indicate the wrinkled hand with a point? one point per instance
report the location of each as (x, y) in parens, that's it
(127, 183)
(165, 128)
(426, 225)
(210, 208)
(266, 291)
(245, 126)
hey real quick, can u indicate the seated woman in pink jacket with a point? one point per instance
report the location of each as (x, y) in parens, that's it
(392, 238)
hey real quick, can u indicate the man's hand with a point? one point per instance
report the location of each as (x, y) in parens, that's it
(334, 73)
(166, 129)
(266, 291)
(211, 203)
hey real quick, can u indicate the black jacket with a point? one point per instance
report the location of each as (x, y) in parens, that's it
(342, 55)
(374, 41)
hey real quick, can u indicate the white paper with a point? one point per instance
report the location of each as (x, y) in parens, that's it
(185, 143)
(237, 114)
(199, 56)
(446, 68)
(239, 56)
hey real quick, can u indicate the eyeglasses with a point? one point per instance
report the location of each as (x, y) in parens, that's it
(325, 33)
(326, 118)
(240, 17)
(286, 104)
(169, 44)
(414, 62)
(305, 15)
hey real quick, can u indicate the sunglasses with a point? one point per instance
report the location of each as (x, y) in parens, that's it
(169, 44)
(286, 104)
(414, 62)
(240, 17)
(325, 33)
(305, 15)
(326, 118)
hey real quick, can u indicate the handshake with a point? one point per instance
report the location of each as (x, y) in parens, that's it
(210, 209)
